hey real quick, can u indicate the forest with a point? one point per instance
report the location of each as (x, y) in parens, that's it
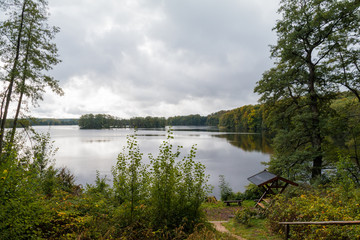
(309, 103)
(244, 119)
(41, 122)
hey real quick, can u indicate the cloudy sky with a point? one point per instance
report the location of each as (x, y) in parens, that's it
(133, 58)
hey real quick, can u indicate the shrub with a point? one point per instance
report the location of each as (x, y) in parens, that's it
(332, 204)
(161, 201)
(130, 181)
(165, 195)
(177, 188)
(245, 214)
(226, 192)
(252, 192)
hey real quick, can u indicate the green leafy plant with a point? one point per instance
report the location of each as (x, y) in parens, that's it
(245, 214)
(177, 188)
(131, 180)
(226, 191)
(327, 204)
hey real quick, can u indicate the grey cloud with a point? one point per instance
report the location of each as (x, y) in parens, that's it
(157, 56)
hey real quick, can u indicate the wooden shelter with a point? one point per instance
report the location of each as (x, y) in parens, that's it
(269, 182)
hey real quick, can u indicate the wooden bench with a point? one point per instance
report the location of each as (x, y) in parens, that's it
(233, 201)
(288, 224)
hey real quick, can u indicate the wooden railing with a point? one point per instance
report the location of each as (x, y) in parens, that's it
(288, 224)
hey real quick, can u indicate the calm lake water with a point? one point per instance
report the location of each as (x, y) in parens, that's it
(237, 156)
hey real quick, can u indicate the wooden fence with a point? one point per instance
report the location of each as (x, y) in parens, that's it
(288, 224)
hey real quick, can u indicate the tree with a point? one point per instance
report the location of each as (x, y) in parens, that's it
(130, 179)
(226, 191)
(27, 53)
(177, 188)
(247, 118)
(299, 89)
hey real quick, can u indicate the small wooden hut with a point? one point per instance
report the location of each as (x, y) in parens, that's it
(269, 182)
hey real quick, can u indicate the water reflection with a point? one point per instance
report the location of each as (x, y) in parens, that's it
(97, 140)
(236, 156)
(248, 142)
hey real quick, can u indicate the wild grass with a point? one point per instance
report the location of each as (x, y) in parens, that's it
(256, 231)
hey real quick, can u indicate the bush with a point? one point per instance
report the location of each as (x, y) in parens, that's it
(165, 197)
(332, 204)
(246, 213)
(226, 192)
(157, 201)
(252, 192)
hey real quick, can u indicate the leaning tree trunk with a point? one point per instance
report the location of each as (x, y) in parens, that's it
(13, 74)
(22, 88)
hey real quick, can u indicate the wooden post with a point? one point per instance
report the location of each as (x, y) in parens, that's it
(287, 231)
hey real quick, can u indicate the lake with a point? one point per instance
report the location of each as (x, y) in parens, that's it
(235, 155)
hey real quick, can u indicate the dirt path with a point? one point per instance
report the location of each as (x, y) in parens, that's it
(219, 227)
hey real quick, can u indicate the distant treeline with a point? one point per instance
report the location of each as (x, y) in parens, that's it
(42, 122)
(246, 118)
(99, 121)
(190, 120)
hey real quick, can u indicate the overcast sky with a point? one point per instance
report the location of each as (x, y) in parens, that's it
(160, 58)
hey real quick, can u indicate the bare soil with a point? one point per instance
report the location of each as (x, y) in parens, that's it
(221, 214)
(219, 227)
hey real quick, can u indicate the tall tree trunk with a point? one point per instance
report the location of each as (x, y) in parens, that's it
(2, 104)
(13, 74)
(22, 88)
(316, 139)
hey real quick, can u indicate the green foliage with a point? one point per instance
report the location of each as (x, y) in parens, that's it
(190, 120)
(27, 54)
(43, 152)
(344, 130)
(53, 121)
(177, 188)
(312, 37)
(248, 118)
(21, 206)
(48, 182)
(252, 192)
(101, 188)
(331, 204)
(346, 173)
(100, 121)
(160, 201)
(205, 232)
(26, 122)
(257, 230)
(131, 182)
(213, 119)
(226, 192)
(147, 122)
(67, 180)
(341, 129)
(245, 214)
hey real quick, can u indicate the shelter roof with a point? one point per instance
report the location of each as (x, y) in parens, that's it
(266, 177)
